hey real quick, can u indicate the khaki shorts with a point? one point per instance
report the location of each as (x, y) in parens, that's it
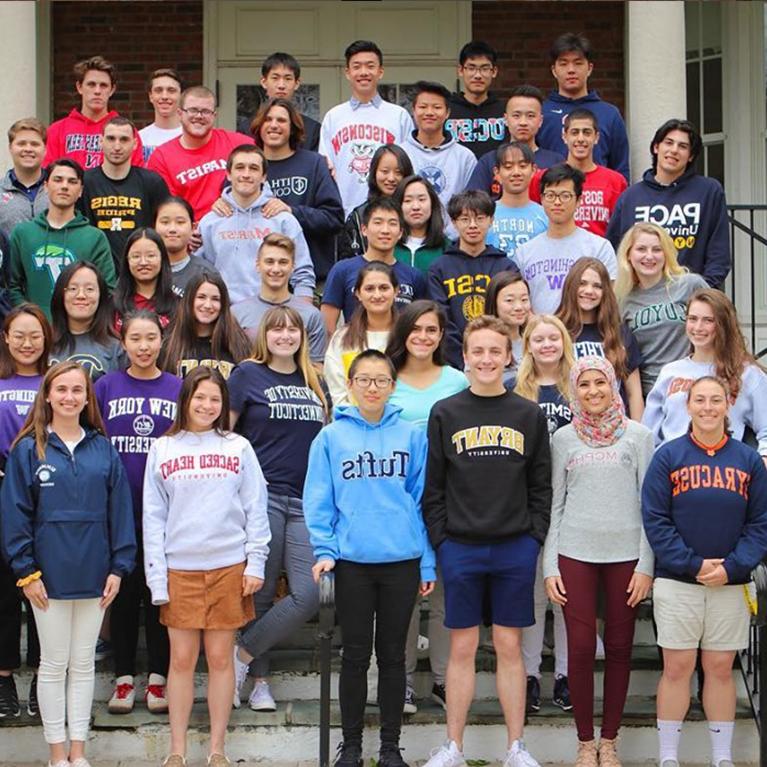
(689, 615)
(207, 599)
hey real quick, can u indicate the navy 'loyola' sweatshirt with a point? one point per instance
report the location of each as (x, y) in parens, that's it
(692, 210)
(699, 506)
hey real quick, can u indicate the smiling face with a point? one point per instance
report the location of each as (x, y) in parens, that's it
(486, 355)
(144, 261)
(204, 406)
(275, 131)
(524, 117)
(27, 150)
(376, 293)
(197, 115)
(707, 407)
(247, 174)
(382, 230)
(515, 172)
(174, 226)
(416, 205)
(164, 96)
(646, 257)
(283, 341)
(364, 72)
(594, 392)
(26, 342)
(513, 304)
(81, 296)
(546, 344)
(673, 153)
(590, 291)
(207, 304)
(430, 110)
(581, 137)
(423, 340)
(701, 326)
(388, 174)
(275, 265)
(142, 343)
(370, 387)
(67, 395)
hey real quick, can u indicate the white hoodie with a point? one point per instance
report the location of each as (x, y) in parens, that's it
(231, 244)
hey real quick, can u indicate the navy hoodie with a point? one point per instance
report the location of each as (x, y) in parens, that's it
(458, 283)
(699, 506)
(479, 127)
(69, 516)
(613, 147)
(692, 210)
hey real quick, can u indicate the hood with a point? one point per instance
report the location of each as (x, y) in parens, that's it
(447, 142)
(79, 117)
(648, 177)
(350, 412)
(489, 250)
(259, 202)
(491, 100)
(76, 223)
(589, 98)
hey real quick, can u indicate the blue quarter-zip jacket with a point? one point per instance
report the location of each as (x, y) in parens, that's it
(69, 516)
(362, 496)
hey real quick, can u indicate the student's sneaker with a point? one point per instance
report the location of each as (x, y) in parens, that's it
(519, 756)
(155, 696)
(562, 694)
(33, 707)
(240, 675)
(348, 755)
(124, 696)
(410, 706)
(669, 763)
(103, 649)
(174, 760)
(261, 697)
(9, 698)
(218, 760)
(81, 761)
(60, 763)
(608, 753)
(446, 755)
(391, 756)
(438, 694)
(587, 754)
(533, 701)
(723, 763)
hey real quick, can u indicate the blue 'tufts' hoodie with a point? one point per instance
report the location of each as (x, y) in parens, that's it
(362, 496)
(69, 515)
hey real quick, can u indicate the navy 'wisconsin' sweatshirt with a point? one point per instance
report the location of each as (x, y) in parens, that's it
(613, 147)
(699, 506)
(458, 282)
(692, 210)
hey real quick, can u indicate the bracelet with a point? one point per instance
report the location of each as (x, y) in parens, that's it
(29, 579)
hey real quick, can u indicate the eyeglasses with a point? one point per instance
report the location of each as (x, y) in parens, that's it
(380, 382)
(135, 258)
(480, 218)
(484, 70)
(194, 112)
(73, 290)
(561, 196)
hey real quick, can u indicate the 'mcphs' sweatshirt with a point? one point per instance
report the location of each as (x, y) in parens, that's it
(692, 210)
(231, 245)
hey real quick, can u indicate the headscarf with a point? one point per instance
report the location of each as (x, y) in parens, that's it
(608, 427)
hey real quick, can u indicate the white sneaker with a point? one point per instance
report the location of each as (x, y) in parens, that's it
(410, 706)
(124, 696)
(240, 675)
(446, 755)
(600, 652)
(261, 697)
(81, 761)
(422, 643)
(156, 695)
(519, 756)
(60, 763)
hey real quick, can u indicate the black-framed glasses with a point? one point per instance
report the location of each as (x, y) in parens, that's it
(194, 112)
(380, 382)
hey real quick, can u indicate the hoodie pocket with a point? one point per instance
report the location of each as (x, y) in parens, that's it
(381, 534)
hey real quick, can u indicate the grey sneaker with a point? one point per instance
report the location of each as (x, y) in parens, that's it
(669, 763)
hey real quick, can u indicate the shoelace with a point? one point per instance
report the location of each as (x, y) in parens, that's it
(123, 691)
(158, 690)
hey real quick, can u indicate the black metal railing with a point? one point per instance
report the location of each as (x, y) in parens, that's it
(327, 622)
(748, 241)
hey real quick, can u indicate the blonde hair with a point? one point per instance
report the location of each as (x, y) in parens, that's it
(527, 376)
(627, 278)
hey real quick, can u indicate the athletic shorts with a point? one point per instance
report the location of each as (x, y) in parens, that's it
(690, 615)
(505, 570)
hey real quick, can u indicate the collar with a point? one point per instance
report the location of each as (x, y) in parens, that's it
(710, 450)
(15, 181)
(376, 102)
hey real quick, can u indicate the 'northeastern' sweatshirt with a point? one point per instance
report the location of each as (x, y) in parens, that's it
(204, 507)
(692, 210)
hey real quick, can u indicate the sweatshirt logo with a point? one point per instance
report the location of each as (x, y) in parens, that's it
(704, 476)
(282, 187)
(366, 465)
(44, 474)
(435, 176)
(656, 314)
(477, 131)
(368, 135)
(229, 463)
(362, 157)
(488, 440)
(52, 259)
(191, 174)
(680, 221)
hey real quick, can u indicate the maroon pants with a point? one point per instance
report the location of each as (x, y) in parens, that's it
(582, 582)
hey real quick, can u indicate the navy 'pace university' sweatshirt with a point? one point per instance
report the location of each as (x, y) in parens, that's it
(699, 506)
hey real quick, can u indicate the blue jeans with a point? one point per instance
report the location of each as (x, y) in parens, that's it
(290, 550)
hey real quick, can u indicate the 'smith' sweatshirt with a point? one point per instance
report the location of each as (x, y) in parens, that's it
(488, 475)
(204, 507)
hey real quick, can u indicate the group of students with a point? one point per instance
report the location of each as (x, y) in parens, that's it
(511, 412)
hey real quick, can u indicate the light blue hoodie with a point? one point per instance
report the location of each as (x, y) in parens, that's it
(362, 496)
(231, 244)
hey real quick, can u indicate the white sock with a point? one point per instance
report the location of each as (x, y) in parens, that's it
(721, 741)
(668, 739)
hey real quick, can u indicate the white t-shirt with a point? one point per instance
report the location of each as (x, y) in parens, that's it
(152, 137)
(413, 243)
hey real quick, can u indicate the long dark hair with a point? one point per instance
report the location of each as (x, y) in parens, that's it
(227, 339)
(100, 329)
(296, 136)
(396, 349)
(356, 333)
(435, 227)
(405, 166)
(188, 388)
(164, 298)
(7, 363)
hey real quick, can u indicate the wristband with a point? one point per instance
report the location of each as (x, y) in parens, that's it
(29, 579)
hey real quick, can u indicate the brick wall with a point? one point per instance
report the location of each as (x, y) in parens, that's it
(523, 32)
(138, 37)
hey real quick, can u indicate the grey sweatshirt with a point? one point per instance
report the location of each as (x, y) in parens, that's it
(15, 206)
(657, 316)
(596, 514)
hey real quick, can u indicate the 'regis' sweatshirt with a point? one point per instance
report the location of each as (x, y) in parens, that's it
(204, 507)
(666, 409)
(692, 209)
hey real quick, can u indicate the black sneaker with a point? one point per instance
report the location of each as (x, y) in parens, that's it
(349, 755)
(562, 694)
(533, 704)
(438, 694)
(391, 756)
(33, 707)
(9, 698)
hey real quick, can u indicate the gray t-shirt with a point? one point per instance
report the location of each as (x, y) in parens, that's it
(657, 316)
(185, 270)
(250, 312)
(96, 358)
(596, 514)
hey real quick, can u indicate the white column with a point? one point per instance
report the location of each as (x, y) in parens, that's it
(18, 42)
(655, 73)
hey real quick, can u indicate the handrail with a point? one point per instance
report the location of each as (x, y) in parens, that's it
(327, 622)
